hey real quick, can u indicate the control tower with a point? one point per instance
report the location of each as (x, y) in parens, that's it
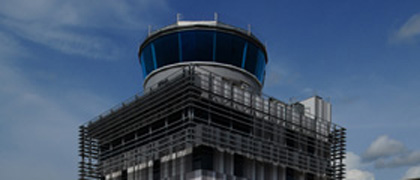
(202, 115)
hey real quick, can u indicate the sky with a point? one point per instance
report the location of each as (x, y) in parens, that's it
(64, 62)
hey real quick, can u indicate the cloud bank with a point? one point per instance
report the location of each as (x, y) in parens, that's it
(39, 120)
(385, 152)
(410, 31)
(72, 27)
(413, 172)
(355, 166)
(404, 159)
(39, 131)
(383, 147)
(356, 174)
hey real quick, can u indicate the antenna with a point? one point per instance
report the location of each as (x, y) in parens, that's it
(215, 16)
(149, 30)
(249, 29)
(178, 17)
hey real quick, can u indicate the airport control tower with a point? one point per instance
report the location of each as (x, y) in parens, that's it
(202, 116)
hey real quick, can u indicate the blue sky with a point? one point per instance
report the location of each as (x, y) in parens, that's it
(64, 62)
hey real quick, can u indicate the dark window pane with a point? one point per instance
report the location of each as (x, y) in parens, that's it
(229, 49)
(124, 175)
(251, 58)
(143, 67)
(255, 61)
(147, 58)
(202, 158)
(239, 165)
(156, 170)
(310, 176)
(260, 69)
(197, 45)
(166, 50)
(290, 174)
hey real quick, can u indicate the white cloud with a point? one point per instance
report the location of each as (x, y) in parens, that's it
(352, 161)
(356, 174)
(38, 131)
(104, 13)
(409, 31)
(413, 172)
(383, 147)
(64, 40)
(385, 152)
(406, 159)
(10, 48)
(72, 27)
(355, 166)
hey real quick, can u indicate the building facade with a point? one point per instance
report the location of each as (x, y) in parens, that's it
(202, 115)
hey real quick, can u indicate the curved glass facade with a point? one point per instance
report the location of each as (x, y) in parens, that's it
(203, 45)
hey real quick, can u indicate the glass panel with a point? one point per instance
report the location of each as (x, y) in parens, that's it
(166, 50)
(197, 45)
(229, 49)
(251, 58)
(202, 158)
(255, 61)
(147, 58)
(204, 45)
(260, 69)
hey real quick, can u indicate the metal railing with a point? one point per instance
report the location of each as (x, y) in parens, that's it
(273, 124)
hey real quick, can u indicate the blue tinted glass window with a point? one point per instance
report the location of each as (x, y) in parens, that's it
(260, 69)
(197, 45)
(166, 50)
(251, 58)
(229, 49)
(204, 45)
(147, 58)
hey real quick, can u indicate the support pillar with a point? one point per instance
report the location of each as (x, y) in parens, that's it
(275, 170)
(281, 173)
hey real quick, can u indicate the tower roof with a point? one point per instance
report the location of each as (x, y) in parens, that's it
(209, 25)
(203, 41)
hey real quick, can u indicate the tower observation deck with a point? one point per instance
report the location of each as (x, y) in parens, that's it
(217, 47)
(202, 116)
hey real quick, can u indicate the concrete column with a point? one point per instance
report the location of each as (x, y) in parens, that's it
(130, 173)
(275, 170)
(281, 173)
(231, 164)
(248, 168)
(150, 171)
(170, 169)
(227, 163)
(219, 162)
(182, 167)
(253, 169)
(164, 169)
(261, 171)
(174, 165)
(143, 173)
(136, 173)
